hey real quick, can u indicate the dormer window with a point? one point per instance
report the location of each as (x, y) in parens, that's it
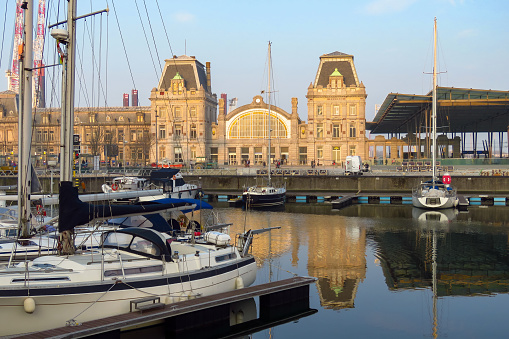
(177, 84)
(336, 79)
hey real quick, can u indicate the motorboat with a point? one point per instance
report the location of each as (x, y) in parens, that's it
(170, 180)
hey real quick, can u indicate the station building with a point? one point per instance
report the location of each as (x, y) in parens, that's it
(191, 123)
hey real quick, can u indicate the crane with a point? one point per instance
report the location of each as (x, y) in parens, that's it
(38, 83)
(38, 74)
(13, 72)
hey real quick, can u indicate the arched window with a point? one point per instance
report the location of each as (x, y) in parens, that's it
(255, 124)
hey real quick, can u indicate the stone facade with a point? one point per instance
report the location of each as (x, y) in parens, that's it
(187, 126)
(183, 111)
(182, 123)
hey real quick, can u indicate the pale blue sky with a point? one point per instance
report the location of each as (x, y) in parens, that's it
(391, 41)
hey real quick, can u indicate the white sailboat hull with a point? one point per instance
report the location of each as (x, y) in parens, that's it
(56, 309)
(435, 202)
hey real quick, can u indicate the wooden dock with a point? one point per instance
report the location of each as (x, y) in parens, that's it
(342, 202)
(274, 297)
(462, 203)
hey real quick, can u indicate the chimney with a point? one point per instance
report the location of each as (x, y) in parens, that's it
(126, 100)
(134, 98)
(208, 76)
(294, 107)
(225, 100)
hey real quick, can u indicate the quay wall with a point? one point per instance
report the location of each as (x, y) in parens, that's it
(311, 185)
(355, 184)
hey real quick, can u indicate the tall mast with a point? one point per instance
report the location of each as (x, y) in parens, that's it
(434, 104)
(25, 122)
(269, 112)
(67, 123)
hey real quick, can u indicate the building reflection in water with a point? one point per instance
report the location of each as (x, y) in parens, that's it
(470, 261)
(472, 250)
(336, 249)
(336, 256)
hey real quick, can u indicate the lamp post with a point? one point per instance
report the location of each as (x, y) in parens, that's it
(157, 150)
(123, 153)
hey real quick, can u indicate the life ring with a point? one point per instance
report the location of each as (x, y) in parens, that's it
(114, 187)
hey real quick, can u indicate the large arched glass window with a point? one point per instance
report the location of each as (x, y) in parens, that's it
(255, 124)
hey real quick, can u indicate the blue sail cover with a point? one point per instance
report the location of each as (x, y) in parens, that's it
(73, 212)
(199, 203)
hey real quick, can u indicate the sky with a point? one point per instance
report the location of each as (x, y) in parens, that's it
(391, 41)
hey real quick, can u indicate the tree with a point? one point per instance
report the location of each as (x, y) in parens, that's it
(96, 139)
(146, 143)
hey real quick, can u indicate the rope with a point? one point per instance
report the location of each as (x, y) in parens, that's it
(72, 321)
(123, 44)
(146, 40)
(3, 34)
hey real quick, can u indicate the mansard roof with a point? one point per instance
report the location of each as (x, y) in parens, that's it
(344, 64)
(191, 70)
(9, 102)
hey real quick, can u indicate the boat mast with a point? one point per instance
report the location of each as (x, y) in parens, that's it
(269, 114)
(25, 122)
(434, 104)
(67, 121)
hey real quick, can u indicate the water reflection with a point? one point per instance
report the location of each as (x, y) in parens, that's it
(470, 259)
(444, 215)
(340, 248)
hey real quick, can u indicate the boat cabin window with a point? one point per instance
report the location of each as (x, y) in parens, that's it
(131, 243)
(144, 246)
(225, 257)
(117, 240)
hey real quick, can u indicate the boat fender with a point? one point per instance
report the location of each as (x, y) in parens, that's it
(239, 283)
(182, 296)
(29, 305)
(191, 296)
(168, 300)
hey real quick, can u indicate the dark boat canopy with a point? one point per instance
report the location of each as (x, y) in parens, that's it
(163, 174)
(458, 110)
(73, 212)
(127, 239)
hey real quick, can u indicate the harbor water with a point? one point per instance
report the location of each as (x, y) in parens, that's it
(376, 266)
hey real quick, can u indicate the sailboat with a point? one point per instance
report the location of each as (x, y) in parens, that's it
(434, 194)
(134, 264)
(261, 196)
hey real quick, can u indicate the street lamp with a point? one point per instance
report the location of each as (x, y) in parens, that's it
(157, 150)
(123, 153)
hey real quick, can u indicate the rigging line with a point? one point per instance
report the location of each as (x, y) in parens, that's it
(99, 66)
(3, 33)
(81, 76)
(153, 37)
(100, 88)
(94, 63)
(123, 44)
(145, 34)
